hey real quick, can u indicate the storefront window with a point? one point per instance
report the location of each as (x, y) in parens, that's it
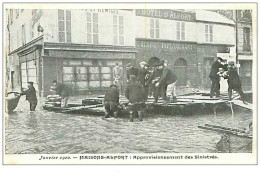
(85, 77)
(28, 71)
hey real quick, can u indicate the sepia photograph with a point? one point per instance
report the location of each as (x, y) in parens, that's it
(155, 83)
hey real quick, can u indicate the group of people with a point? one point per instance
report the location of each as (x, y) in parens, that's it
(141, 82)
(221, 69)
(157, 79)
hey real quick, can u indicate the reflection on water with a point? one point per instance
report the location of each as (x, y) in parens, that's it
(45, 132)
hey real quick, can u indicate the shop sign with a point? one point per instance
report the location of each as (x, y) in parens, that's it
(227, 13)
(166, 46)
(92, 55)
(111, 11)
(166, 14)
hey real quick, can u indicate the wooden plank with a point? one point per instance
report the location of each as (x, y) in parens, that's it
(241, 104)
(225, 131)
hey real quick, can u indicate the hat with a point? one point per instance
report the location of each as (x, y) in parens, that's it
(231, 63)
(221, 59)
(144, 63)
(159, 63)
(30, 82)
(128, 65)
(113, 85)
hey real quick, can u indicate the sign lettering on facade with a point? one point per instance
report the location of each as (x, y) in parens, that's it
(93, 55)
(166, 46)
(112, 11)
(166, 14)
(227, 13)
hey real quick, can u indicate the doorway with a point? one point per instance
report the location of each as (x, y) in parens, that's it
(180, 69)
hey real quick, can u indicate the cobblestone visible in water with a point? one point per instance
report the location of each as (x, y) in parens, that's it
(43, 132)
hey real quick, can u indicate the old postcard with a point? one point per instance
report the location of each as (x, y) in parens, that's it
(118, 83)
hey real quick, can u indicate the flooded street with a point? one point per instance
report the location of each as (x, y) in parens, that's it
(43, 132)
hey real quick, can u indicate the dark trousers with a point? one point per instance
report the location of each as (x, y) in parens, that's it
(239, 91)
(33, 105)
(215, 87)
(146, 91)
(111, 107)
(160, 91)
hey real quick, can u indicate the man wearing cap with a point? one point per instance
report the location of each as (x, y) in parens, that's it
(143, 77)
(118, 77)
(135, 94)
(154, 79)
(167, 78)
(214, 77)
(31, 96)
(111, 101)
(62, 90)
(234, 82)
(130, 70)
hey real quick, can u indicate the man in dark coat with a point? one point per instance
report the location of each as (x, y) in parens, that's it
(154, 78)
(168, 77)
(234, 82)
(111, 101)
(143, 78)
(62, 90)
(214, 77)
(130, 70)
(31, 96)
(135, 94)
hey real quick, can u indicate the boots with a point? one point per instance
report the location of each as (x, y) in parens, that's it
(140, 115)
(131, 116)
(107, 115)
(174, 99)
(229, 96)
(116, 114)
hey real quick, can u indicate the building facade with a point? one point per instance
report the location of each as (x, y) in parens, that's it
(245, 47)
(57, 44)
(189, 40)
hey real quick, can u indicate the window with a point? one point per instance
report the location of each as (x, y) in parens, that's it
(92, 28)
(85, 76)
(246, 41)
(23, 35)
(209, 33)
(11, 16)
(154, 28)
(17, 13)
(118, 30)
(64, 17)
(181, 31)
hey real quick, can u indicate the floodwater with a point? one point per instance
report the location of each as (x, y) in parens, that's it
(43, 132)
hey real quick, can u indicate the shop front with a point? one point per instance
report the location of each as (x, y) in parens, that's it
(205, 55)
(182, 57)
(245, 71)
(85, 70)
